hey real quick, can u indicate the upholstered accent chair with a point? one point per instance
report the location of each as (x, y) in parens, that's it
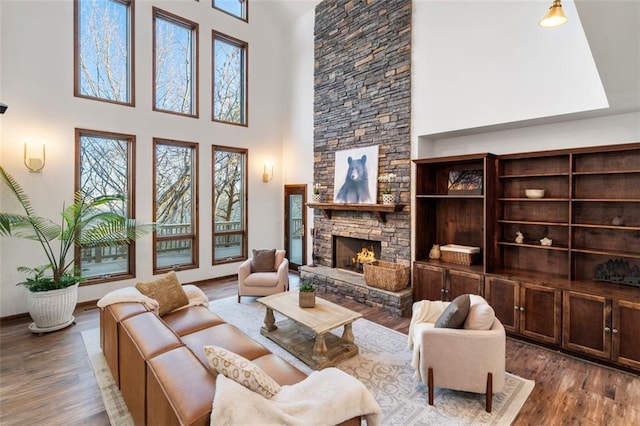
(470, 358)
(257, 278)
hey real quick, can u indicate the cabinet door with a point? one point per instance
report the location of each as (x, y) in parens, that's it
(586, 324)
(625, 330)
(503, 295)
(428, 282)
(459, 282)
(540, 312)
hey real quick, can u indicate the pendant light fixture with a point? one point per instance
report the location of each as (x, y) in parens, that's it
(555, 16)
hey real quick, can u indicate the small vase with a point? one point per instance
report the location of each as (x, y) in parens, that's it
(316, 198)
(388, 199)
(307, 299)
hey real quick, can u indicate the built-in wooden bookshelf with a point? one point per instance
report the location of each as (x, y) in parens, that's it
(548, 293)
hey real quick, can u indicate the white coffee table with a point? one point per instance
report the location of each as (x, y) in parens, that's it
(306, 331)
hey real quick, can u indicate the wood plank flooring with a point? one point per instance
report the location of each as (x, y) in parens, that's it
(47, 380)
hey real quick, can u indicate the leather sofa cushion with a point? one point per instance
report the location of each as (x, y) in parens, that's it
(227, 336)
(150, 334)
(185, 321)
(179, 386)
(279, 369)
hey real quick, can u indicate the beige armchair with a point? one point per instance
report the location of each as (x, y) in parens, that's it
(252, 283)
(471, 360)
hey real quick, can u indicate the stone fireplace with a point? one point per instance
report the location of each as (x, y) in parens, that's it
(351, 253)
(362, 97)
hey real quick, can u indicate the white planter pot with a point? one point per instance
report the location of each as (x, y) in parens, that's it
(316, 198)
(52, 310)
(388, 199)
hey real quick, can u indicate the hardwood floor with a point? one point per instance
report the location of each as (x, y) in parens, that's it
(48, 379)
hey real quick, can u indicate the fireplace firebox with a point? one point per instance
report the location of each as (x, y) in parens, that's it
(351, 253)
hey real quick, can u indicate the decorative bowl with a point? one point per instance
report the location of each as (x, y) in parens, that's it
(534, 193)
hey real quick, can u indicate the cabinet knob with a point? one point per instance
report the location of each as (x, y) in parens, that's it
(446, 291)
(521, 308)
(516, 307)
(614, 331)
(442, 290)
(607, 329)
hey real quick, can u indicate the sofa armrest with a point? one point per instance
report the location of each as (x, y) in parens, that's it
(244, 270)
(283, 273)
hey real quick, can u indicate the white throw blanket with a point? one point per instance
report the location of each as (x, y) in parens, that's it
(325, 397)
(131, 294)
(424, 311)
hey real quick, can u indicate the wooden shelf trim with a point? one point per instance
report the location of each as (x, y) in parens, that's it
(606, 172)
(453, 197)
(606, 200)
(380, 210)
(610, 253)
(554, 200)
(611, 227)
(534, 246)
(530, 222)
(534, 175)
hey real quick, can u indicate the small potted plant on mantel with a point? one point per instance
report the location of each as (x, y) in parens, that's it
(307, 293)
(387, 196)
(87, 222)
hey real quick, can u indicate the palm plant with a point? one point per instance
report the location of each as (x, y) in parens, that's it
(87, 222)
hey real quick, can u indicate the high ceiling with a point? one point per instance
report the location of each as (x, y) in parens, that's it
(612, 29)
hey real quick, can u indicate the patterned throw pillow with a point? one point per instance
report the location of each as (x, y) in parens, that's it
(241, 370)
(263, 260)
(166, 289)
(454, 314)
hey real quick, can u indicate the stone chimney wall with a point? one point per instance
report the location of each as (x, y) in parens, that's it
(363, 98)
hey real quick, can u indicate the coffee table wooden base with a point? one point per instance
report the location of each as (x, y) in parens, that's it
(317, 351)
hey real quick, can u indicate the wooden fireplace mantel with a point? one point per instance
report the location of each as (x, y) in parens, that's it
(380, 210)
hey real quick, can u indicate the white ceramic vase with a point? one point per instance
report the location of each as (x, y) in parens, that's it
(388, 199)
(316, 198)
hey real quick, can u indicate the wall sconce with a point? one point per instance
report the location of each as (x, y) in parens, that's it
(267, 174)
(34, 163)
(554, 17)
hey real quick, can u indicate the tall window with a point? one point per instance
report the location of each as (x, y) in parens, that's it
(237, 8)
(175, 240)
(175, 64)
(229, 204)
(104, 50)
(104, 166)
(229, 79)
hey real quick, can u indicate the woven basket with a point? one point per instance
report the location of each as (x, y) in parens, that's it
(386, 275)
(462, 255)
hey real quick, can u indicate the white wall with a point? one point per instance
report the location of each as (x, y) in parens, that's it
(298, 140)
(480, 63)
(36, 81)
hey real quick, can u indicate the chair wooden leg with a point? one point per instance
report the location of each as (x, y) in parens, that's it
(238, 297)
(430, 385)
(489, 394)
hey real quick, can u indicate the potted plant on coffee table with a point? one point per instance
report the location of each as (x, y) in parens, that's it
(87, 222)
(307, 295)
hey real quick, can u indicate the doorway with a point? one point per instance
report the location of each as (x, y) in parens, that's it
(295, 238)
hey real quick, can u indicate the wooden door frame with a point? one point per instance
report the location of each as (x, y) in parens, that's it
(295, 189)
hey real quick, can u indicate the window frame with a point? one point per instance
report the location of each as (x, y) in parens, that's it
(131, 199)
(194, 236)
(132, 54)
(245, 9)
(245, 77)
(245, 207)
(195, 29)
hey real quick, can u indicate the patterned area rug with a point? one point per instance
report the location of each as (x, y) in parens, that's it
(383, 365)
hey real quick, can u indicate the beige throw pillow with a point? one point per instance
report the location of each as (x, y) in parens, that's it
(480, 317)
(454, 314)
(263, 260)
(166, 289)
(241, 370)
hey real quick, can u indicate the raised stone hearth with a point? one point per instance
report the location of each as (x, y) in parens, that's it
(352, 285)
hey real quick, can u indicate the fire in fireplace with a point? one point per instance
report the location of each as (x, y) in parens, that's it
(351, 253)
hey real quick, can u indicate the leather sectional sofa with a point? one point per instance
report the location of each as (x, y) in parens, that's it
(160, 366)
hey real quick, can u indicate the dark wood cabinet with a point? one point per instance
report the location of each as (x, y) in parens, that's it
(527, 309)
(602, 327)
(559, 293)
(432, 282)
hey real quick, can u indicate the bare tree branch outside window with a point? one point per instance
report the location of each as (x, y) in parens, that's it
(229, 80)
(104, 62)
